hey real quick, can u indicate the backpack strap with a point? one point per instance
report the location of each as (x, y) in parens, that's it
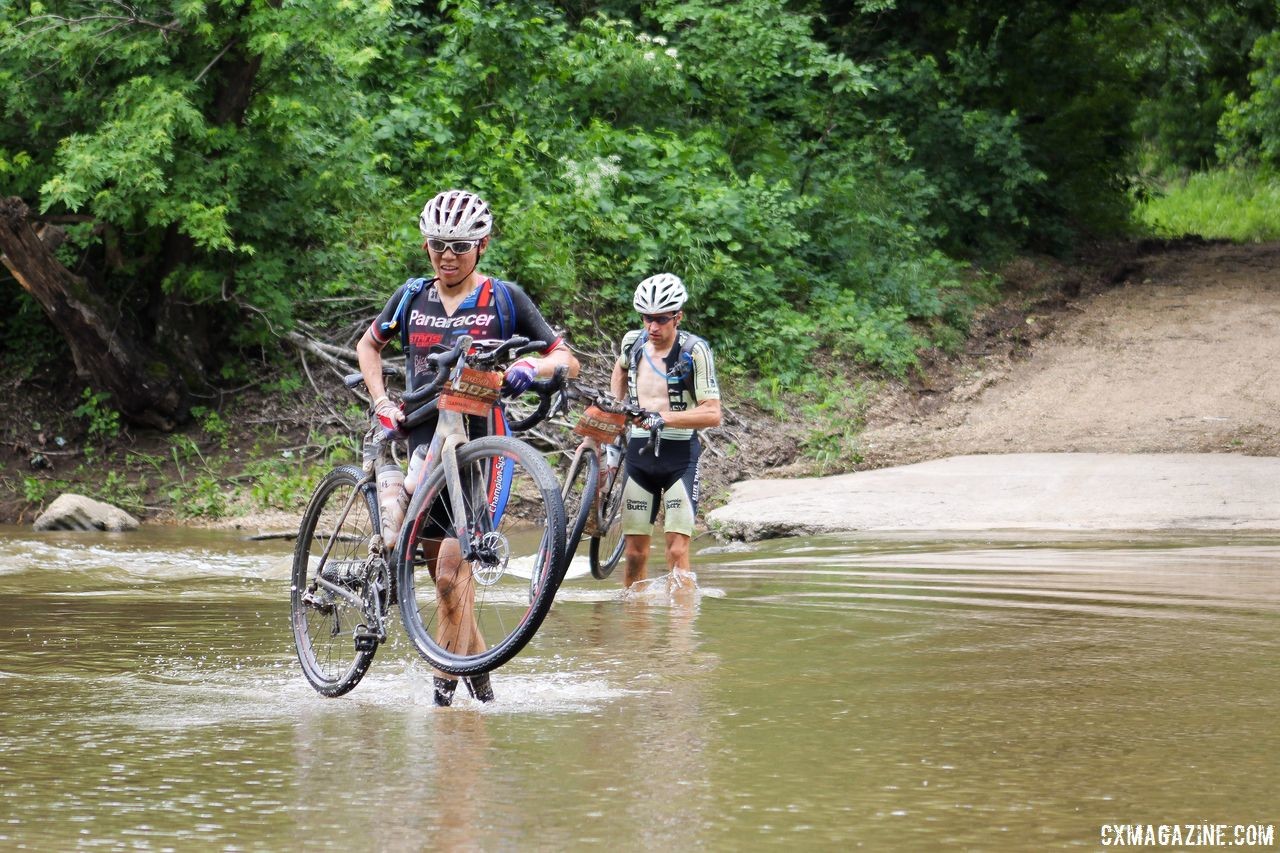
(678, 368)
(501, 297)
(412, 287)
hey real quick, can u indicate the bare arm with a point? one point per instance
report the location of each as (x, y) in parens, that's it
(369, 357)
(618, 381)
(705, 414)
(545, 367)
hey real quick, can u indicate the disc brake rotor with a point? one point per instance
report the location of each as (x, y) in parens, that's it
(492, 554)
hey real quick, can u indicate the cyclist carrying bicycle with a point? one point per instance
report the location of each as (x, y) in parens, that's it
(670, 373)
(428, 316)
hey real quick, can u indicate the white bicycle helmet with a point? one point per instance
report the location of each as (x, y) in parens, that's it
(660, 293)
(456, 215)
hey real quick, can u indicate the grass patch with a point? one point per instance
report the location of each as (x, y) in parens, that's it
(1241, 205)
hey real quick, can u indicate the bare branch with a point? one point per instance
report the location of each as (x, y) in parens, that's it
(306, 369)
(214, 61)
(325, 352)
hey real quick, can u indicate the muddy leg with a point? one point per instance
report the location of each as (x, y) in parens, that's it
(678, 561)
(458, 631)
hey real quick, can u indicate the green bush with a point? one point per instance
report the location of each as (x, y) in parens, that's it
(103, 421)
(1234, 204)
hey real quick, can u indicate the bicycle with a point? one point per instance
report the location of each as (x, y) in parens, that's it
(496, 496)
(602, 472)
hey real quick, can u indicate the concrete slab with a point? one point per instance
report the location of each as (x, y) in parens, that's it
(1026, 491)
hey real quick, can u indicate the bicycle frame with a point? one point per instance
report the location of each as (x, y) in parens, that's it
(334, 588)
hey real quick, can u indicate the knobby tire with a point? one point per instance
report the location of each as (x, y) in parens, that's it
(323, 630)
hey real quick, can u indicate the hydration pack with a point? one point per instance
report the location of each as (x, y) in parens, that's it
(678, 368)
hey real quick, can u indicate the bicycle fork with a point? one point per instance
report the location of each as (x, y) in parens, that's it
(453, 482)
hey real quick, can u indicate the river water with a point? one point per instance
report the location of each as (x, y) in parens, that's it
(902, 694)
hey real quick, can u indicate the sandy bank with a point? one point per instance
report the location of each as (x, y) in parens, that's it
(1030, 491)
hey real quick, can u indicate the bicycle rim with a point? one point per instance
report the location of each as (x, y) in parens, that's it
(333, 544)
(579, 494)
(606, 549)
(515, 522)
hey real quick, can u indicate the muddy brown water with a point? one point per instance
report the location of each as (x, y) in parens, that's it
(989, 693)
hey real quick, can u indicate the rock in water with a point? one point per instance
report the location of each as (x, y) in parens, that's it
(77, 512)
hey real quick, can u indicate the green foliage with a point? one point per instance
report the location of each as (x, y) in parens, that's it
(198, 491)
(284, 385)
(1234, 204)
(818, 172)
(1251, 127)
(284, 483)
(1196, 68)
(837, 416)
(222, 149)
(720, 165)
(104, 421)
(199, 496)
(117, 489)
(37, 491)
(213, 425)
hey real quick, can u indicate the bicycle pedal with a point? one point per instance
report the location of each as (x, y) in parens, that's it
(366, 640)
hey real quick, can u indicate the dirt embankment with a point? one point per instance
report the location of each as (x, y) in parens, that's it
(1175, 349)
(1093, 411)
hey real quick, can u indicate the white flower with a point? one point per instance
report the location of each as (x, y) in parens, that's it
(671, 52)
(659, 40)
(589, 178)
(649, 56)
(644, 38)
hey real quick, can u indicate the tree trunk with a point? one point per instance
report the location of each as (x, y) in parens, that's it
(107, 350)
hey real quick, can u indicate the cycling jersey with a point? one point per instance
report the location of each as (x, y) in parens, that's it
(429, 329)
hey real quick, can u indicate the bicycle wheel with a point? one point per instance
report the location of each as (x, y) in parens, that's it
(333, 545)
(579, 495)
(606, 549)
(515, 526)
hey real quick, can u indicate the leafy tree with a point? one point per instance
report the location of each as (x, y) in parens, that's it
(202, 160)
(1251, 126)
(184, 184)
(1195, 64)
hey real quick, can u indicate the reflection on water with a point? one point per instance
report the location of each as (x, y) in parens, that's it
(895, 693)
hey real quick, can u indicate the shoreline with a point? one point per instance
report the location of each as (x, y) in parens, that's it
(1046, 492)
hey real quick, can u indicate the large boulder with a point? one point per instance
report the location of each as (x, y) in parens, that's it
(76, 512)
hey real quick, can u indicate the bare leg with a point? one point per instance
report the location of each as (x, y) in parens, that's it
(637, 557)
(678, 560)
(458, 631)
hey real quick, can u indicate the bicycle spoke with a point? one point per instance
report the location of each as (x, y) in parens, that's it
(509, 501)
(331, 574)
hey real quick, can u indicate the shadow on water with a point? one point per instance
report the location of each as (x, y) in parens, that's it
(995, 693)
